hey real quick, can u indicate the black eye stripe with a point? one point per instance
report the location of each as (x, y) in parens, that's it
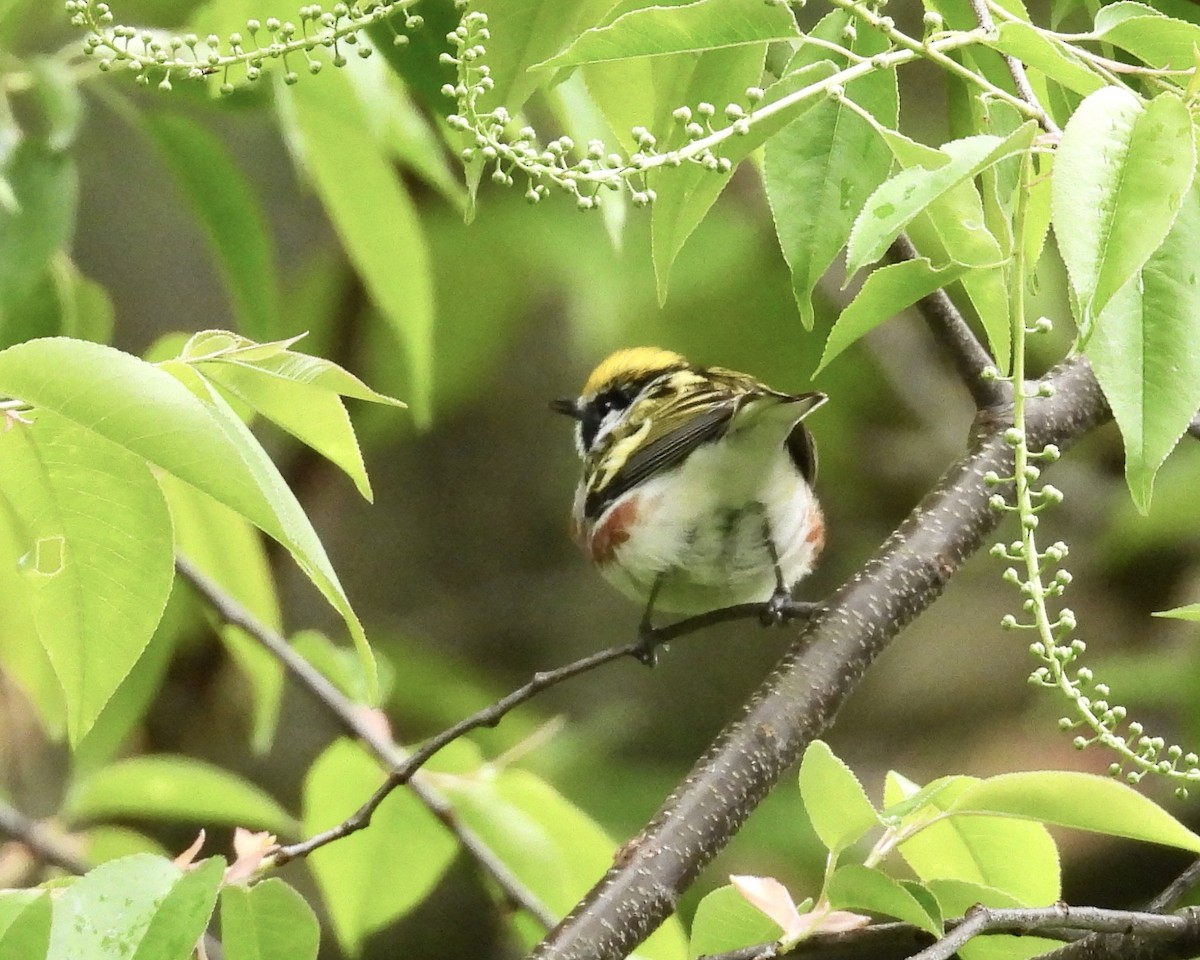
(604, 403)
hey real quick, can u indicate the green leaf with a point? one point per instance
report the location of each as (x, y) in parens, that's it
(836, 803)
(163, 787)
(196, 437)
(226, 207)
(1157, 40)
(1080, 800)
(224, 546)
(725, 921)
(690, 28)
(36, 221)
(523, 33)
(1120, 176)
(855, 887)
(957, 897)
(96, 558)
(314, 416)
(979, 849)
(890, 208)
(268, 921)
(23, 662)
(551, 845)
(138, 908)
(1056, 60)
(24, 924)
(372, 213)
(1146, 352)
(886, 291)
(404, 843)
(686, 194)
(1189, 612)
(820, 169)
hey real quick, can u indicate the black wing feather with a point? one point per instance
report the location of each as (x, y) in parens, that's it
(662, 453)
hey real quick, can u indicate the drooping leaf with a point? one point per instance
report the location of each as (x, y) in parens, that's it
(886, 292)
(820, 169)
(687, 28)
(551, 845)
(96, 554)
(1146, 352)
(687, 193)
(225, 547)
(1120, 176)
(194, 436)
(36, 221)
(890, 208)
(372, 213)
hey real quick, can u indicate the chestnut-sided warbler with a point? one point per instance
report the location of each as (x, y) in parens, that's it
(696, 489)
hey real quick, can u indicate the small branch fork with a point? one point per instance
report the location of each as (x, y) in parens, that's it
(403, 766)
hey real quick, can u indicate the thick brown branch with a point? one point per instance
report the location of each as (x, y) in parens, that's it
(825, 663)
(952, 332)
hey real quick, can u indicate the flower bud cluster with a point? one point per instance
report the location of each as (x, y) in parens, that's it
(584, 171)
(149, 54)
(1041, 582)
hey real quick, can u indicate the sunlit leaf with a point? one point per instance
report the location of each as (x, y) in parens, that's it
(1146, 352)
(835, 801)
(96, 553)
(1120, 176)
(688, 28)
(143, 902)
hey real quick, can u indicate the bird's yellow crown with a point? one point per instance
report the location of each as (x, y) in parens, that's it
(630, 364)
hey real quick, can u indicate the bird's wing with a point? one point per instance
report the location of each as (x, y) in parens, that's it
(659, 443)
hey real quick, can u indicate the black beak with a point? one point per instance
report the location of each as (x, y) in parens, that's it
(566, 406)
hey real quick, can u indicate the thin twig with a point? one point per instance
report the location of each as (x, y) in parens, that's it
(980, 920)
(492, 714)
(355, 722)
(948, 327)
(1175, 889)
(38, 840)
(1016, 69)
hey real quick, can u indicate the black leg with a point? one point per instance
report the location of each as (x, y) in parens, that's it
(776, 609)
(648, 641)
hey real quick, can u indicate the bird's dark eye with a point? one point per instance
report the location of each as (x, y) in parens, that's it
(614, 399)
